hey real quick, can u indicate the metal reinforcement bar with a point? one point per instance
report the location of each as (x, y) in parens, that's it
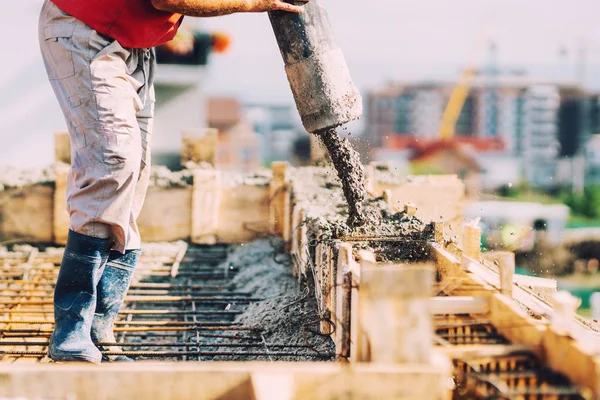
(159, 354)
(163, 344)
(181, 306)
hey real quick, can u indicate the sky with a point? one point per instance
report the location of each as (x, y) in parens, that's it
(383, 40)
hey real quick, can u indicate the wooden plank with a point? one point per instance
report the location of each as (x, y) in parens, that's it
(343, 284)
(394, 311)
(371, 382)
(303, 245)
(466, 352)
(459, 305)
(331, 300)
(150, 382)
(437, 198)
(505, 262)
(279, 195)
(27, 213)
(578, 360)
(205, 206)
(166, 214)
(439, 232)
(61, 219)
(472, 242)
(243, 213)
(318, 278)
(544, 288)
(199, 146)
(514, 323)
(295, 239)
(358, 347)
(62, 147)
(327, 286)
(453, 279)
(409, 208)
(228, 381)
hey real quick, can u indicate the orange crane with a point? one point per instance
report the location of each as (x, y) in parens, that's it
(456, 104)
(460, 92)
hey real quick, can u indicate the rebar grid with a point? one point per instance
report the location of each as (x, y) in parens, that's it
(517, 375)
(181, 306)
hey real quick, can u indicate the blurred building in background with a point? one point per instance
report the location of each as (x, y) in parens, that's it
(179, 88)
(278, 126)
(592, 159)
(540, 126)
(252, 135)
(540, 147)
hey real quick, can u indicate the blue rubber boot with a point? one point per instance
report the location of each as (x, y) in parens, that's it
(112, 288)
(75, 299)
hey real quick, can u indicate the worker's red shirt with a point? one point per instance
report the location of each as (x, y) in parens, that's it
(133, 23)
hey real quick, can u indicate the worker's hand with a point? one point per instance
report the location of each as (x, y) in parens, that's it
(275, 5)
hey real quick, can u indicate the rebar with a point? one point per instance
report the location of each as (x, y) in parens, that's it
(181, 305)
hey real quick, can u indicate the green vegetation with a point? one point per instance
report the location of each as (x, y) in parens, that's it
(426, 169)
(586, 204)
(585, 207)
(578, 221)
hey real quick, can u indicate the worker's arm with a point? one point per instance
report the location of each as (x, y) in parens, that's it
(212, 8)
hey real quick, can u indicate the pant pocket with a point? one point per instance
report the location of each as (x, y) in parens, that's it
(57, 50)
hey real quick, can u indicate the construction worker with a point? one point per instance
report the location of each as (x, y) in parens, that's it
(99, 59)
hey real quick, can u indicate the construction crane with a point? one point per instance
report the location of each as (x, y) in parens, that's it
(456, 104)
(461, 91)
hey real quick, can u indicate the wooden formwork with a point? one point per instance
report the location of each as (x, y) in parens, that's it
(434, 198)
(481, 289)
(208, 211)
(225, 381)
(469, 283)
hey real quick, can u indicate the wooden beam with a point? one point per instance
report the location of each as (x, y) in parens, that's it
(541, 287)
(359, 351)
(459, 305)
(577, 359)
(472, 241)
(439, 232)
(466, 352)
(303, 245)
(343, 291)
(167, 214)
(376, 382)
(62, 147)
(563, 317)
(279, 195)
(243, 213)
(205, 206)
(436, 197)
(394, 311)
(295, 238)
(228, 381)
(409, 208)
(61, 219)
(323, 282)
(505, 262)
(199, 146)
(387, 197)
(27, 213)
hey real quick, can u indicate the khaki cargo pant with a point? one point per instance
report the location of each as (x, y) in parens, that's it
(106, 94)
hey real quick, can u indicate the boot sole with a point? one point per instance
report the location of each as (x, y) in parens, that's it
(59, 356)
